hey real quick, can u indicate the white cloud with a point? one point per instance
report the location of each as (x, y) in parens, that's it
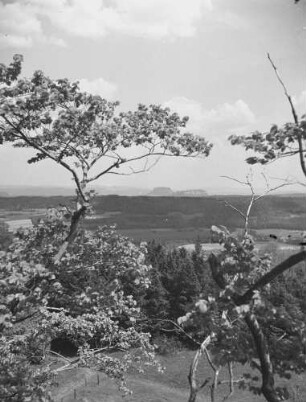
(99, 86)
(20, 26)
(222, 119)
(25, 22)
(161, 18)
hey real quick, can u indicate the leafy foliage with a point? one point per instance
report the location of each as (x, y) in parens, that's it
(85, 134)
(278, 142)
(8, 74)
(276, 314)
(77, 130)
(85, 300)
(279, 328)
(18, 380)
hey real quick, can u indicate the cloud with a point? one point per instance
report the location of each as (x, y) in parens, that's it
(99, 86)
(20, 26)
(160, 18)
(220, 120)
(23, 23)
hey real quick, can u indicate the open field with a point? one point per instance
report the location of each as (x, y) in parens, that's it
(171, 236)
(6, 214)
(171, 212)
(260, 246)
(173, 221)
(85, 385)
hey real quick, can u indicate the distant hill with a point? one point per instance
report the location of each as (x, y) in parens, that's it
(50, 191)
(121, 190)
(167, 192)
(32, 191)
(161, 192)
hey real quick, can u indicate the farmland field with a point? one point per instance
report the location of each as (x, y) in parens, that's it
(172, 221)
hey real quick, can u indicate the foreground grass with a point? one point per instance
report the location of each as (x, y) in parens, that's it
(86, 385)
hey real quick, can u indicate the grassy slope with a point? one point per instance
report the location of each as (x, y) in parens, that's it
(171, 386)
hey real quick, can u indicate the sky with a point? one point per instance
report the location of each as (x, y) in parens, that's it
(203, 58)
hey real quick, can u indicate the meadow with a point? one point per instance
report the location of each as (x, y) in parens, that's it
(85, 385)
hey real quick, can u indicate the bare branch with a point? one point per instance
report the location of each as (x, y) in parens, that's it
(178, 327)
(234, 179)
(253, 198)
(115, 164)
(295, 117)
(59, 355)
(57, 309)
(122, 161)
(73, 363)
(294, 114)
(146, 168)
(209, 359)
(228, 204)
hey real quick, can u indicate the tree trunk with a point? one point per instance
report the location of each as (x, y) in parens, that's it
(74, 225)
(261, 345)
(193, 395)
(194, 389)
(213, 388)
(192, 376)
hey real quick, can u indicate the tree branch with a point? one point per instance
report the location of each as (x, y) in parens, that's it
(295, 117)
(75, 221)
(294, 114)
(269, 276)
(49, 155)
(122, 161)
(194, 387)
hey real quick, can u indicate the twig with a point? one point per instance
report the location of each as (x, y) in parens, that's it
(254, 197)
(59, 355)
(58, 309)
(177, 326)
(73, 363)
